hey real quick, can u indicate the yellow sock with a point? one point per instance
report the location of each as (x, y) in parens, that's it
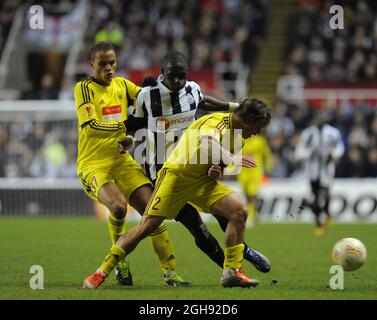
(163, 248)
(116, 228)
(233, 256)
(111, 260)
(252, 212)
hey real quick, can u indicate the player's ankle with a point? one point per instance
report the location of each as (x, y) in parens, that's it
(228, 272)
(169, 273)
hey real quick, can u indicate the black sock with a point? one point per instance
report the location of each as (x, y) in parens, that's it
(204, 240)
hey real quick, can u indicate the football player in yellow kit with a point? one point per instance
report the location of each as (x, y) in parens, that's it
(107, 176)
(182, 180)
(251, 179)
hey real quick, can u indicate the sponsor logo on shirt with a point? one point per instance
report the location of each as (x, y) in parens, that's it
(112, 113)
(163, 123)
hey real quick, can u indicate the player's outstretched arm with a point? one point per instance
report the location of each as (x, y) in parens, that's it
(217, 154)
(134, 123)
(212, 104)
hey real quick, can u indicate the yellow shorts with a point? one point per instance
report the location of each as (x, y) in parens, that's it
(173, 190)
(125, 172)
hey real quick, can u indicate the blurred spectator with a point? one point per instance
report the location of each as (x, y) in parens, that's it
(54, 153)
(66, 90)
(37, 166)
(48, 87)
(358, 136)
(371, 168)
(19, 157)
(280, 123)
(29, 91)
(112, 32)
(353, 164)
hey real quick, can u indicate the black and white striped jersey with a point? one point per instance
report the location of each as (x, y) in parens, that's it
(320, 164)
(168, 114)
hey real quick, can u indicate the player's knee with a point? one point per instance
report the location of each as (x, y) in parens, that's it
(120, 213)
(239, 214)
(119, 208)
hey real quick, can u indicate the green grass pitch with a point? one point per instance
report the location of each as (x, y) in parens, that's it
(69, 249)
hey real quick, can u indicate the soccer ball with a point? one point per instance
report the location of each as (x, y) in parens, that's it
(350, 253)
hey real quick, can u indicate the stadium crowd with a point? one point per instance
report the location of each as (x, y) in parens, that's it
(38, 149)
(44, 149)
(319, 53)
(208, 32)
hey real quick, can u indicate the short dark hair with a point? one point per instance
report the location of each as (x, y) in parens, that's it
(252, 109)
(174, 58)
(103, 46)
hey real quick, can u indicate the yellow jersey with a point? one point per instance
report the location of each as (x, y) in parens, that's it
(187, 158)
(259, 150)
(101, 112)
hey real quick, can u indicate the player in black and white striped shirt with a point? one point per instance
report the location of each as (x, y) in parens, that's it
(168, 107)
(320, 147)
(168, 113)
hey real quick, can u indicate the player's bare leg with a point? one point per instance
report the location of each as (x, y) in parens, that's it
(111, 196)
(131, 239)
(125, 245)
(140, 197)
(232, 208)
(159, 239)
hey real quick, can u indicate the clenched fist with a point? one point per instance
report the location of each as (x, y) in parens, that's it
(125, 144)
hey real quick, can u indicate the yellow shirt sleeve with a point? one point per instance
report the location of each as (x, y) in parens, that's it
(132, 89)
(84, 107)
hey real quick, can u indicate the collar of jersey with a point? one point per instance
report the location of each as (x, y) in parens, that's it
(101, 85)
